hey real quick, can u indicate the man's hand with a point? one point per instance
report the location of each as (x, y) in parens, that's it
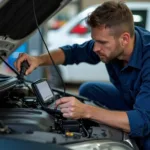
(71, 107)
(33, 62)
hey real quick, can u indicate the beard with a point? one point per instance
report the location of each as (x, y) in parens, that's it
(118, 51)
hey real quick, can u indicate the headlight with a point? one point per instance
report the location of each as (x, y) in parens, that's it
(100, 145)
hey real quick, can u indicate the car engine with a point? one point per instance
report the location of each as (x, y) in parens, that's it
(22, 117)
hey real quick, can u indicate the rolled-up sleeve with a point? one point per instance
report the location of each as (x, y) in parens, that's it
(76, 53)
(139, 117)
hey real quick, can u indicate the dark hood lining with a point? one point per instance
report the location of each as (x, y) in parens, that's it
(17, 17)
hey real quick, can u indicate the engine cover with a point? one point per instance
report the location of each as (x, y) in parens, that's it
(26, 120)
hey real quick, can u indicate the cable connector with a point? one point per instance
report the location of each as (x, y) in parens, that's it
(24, 67)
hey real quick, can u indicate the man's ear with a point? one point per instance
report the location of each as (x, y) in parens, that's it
(124, 39)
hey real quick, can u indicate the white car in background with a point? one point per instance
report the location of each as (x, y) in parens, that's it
(77, 31)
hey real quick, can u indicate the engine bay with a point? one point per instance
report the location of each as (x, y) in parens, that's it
(23, 117)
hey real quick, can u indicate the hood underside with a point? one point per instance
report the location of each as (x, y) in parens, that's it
(17, 20)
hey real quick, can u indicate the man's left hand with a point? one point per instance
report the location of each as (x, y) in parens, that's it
(71, 107)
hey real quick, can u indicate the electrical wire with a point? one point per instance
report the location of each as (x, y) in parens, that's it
(85, 130)
(35, 17)
(14, 70)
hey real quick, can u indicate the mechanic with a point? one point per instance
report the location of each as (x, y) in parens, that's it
(125, 49)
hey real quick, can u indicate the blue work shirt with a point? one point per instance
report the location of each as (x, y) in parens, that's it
(133, 80)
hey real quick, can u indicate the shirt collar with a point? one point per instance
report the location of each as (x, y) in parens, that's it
(135, 59)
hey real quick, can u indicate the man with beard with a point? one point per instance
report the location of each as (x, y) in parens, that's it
(125, 49)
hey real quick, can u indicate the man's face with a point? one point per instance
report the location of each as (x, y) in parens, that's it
(106, 46)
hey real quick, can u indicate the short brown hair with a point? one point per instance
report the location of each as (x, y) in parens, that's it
(115, 15)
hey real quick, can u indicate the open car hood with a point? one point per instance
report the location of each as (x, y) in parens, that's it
(17, 21)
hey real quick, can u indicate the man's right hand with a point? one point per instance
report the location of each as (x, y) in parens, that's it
(33, 61)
